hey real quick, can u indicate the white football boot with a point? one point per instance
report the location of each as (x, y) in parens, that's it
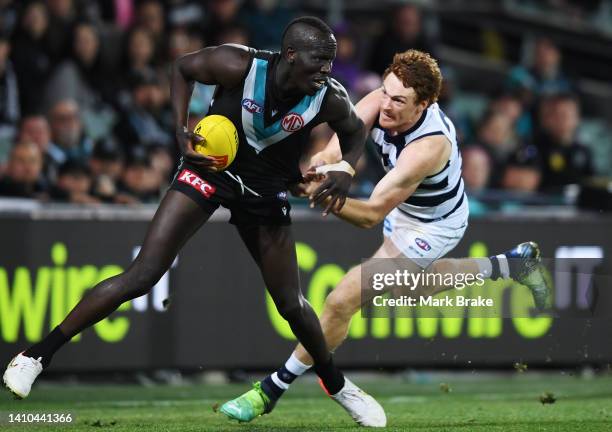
(21, 373)
(362, 407)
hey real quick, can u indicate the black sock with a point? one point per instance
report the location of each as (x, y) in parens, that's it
(272, 387)
(330, 375)
(47, 347)
(495, 271)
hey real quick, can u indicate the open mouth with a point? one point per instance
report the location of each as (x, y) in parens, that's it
(319, 82)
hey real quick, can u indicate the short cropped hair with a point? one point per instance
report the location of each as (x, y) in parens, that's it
(420, 71)
(310, 21)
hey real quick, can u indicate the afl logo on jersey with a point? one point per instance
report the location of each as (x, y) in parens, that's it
(251, 106)
(422, 244)
(292, 122)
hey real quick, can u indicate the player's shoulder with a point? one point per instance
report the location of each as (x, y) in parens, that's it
(337, 97)
(233, 55)
(233, 60)
(335, 89)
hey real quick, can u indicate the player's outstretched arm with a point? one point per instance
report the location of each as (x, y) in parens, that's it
(224, 65)
(420, 159)
(343, 119)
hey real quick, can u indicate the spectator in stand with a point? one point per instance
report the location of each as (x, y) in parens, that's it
(31, 57)
(450, 105)
(406, 32)
(139, 180)
(543, 77)
(147, 120)
(85, 76)
(179, 43)
(185, 13)
(476, 168)
(35, 128)
(347, 69)
(9, 98)
(106, 166)
(495, 136)
(62, 20)
(139, 51)
(68, 137)
(22, 178)
(73, 184)
(8, 15)
(140, 60)
(522, 172)
(564, 159)
(182, 41)
(119, 13)
(233, 34)
(511, 105)
(266, 20)
(150, 16)
(222, 14)
(163, 162)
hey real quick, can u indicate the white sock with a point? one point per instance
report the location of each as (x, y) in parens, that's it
(295, 366)
(485, 267)
(292, 369)
(504, 269)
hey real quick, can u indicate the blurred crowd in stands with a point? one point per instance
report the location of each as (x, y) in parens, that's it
(85, 114)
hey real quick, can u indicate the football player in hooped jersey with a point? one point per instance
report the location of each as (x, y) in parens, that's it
(274, 99)
(421, 200)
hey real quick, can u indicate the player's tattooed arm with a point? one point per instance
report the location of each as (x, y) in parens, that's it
(224, 65)
(342, 118)
(422, 158)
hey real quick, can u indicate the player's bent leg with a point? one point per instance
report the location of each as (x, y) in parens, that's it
(273, 249)
(345, 300)
(176, 219)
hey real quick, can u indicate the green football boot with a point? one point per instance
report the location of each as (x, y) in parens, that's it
(526, 268)
(248, 406)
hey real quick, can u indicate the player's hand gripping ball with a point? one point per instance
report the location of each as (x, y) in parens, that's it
(221, 140)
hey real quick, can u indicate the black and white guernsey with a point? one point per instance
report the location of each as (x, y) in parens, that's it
(439, 195)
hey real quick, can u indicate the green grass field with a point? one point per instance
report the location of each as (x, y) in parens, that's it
(473, 403)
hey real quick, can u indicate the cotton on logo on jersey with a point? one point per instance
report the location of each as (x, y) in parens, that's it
(251, 106)
(197, 183)
(292, 122)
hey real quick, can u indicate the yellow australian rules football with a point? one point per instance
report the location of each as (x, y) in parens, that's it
(221, 139)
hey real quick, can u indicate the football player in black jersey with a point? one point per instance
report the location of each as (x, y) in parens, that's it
(291, 93)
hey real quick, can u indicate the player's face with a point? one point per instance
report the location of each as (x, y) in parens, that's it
(312, 65)
(398, 110)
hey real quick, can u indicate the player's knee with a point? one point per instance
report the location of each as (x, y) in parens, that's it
(140, 279)
(339, 304)
(292, 309)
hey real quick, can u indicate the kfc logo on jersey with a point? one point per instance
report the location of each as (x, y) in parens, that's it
(251, 106)
(422, 244)
(292, 122)
(197, 183)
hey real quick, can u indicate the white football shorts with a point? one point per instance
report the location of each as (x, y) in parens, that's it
(425, 242)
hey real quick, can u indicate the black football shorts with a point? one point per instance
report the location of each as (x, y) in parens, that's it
(249, 204)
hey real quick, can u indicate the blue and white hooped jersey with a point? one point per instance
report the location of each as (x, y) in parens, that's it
(438, 195)
(253, 102)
